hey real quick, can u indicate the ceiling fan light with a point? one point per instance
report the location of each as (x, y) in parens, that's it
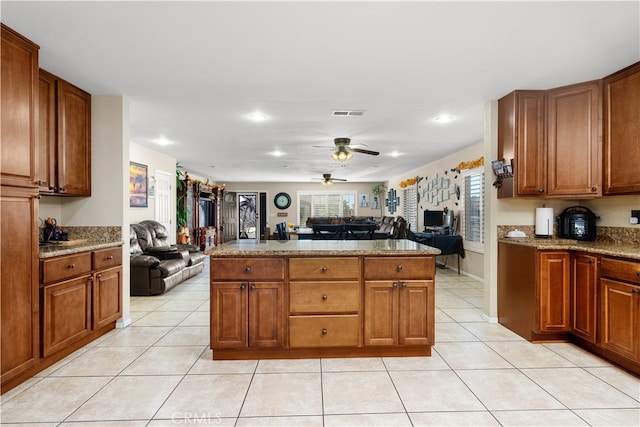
(341, 155)
(327, 182)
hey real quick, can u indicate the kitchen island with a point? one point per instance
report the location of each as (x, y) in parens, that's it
(311, 298)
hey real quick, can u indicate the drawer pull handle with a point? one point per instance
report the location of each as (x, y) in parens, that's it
(638, 273)
(399, 268)
(636, 291)
(324, 268)
(242, 287)
(72, 266)
(247, 269)
(110, 258)
(324, 332)
(395, 285)
(404, 285)
(324, 297)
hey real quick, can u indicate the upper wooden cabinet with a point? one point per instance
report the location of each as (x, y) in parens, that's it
(19, 101)
(64, 138)
(622, 131)
(553, 139)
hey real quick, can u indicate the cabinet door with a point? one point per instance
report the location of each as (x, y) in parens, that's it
(74, 140)
(619, 317)
(266, 314)
(107, 297)
(584, 279)
(381, 312)
(229, 315)
(66, 313)
(622, 131)
(574, 144)
(416, 313)
(19, 282)
(18, 109)
(553, 291)
(47, 155)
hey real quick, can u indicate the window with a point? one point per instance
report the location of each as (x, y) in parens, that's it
(410, 207)
(325, 204)
(472, 198)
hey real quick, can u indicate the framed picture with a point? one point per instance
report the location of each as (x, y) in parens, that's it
(138, 181)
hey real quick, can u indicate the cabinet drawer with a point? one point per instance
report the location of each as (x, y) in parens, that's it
(392, 268)
(622, 270)
(65, 267)
(317, 297)
(107, 258)
(324, 268)
(247, 269)
(324, 331)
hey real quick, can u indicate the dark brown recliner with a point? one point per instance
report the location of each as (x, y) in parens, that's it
(148, 274)
(160, 246)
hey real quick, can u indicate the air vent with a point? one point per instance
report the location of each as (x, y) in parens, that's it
(347, 113)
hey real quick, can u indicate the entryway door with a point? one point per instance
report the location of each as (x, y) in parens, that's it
(248, 217)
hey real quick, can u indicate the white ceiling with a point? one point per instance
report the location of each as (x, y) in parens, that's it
(193, 71)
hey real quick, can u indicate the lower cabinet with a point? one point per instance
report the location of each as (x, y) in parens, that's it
(80, 294)
(584, 296)
(398, 308)
(247, 314)
(533, 291)
(620, 307)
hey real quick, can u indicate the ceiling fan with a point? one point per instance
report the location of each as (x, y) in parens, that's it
(345, 151)
(327, 180)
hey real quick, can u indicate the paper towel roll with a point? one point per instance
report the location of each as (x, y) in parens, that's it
(544, 222)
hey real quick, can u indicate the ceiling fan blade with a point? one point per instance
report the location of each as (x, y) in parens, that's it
(337, 179)
(360, 150)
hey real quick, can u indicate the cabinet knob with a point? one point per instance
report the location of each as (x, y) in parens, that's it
(395, 285)
(99, 276)
(72, 266)
(324, 297)
(324, 268)
(324, 332)
(540, 190)
(247, 269)
(638, 273)
(39, 182)
(591, 261)
(62, 189)
(52, 188)
(399, 268)
(594, 188)
(404, 285)
(252, 287)
(636, 291)
(110, 258)
(242, 287)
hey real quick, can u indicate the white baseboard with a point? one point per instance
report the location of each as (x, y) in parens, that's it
(123, 323)
(490, 319)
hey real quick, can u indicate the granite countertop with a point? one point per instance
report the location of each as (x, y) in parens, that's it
(54, 249)
(382, 247)
(603, 248)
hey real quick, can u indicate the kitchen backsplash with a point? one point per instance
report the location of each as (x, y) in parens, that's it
(106, 234)
(623, 235)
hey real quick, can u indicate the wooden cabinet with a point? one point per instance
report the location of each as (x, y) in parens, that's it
(247, 303)
(19, 282)
(107, 286)
(81, 294)
(533, 291)
(620, 308)
(18, 109)
(584, 296)
(553, 139)
(521, 117)
(324, 302)
(64, 138)
(398, 301)
(622, 131)
(574, 143)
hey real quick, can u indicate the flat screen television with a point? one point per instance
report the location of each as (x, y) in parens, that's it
(433, 218)
(206, 213)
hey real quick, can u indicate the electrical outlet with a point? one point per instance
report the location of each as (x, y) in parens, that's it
(635, 217)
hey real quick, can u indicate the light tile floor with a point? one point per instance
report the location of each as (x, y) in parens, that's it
(159, 372)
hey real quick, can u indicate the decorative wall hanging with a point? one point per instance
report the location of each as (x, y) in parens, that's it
(137, 185)
(392, 201)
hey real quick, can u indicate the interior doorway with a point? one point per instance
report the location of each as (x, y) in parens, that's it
(248, 216)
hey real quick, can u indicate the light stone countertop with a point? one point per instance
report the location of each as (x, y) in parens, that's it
(382, 247)
(602, 248)
(58, 250)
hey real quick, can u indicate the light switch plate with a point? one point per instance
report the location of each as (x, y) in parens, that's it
(635, 217)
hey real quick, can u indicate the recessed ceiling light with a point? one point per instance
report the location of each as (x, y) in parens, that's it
(277, 153)
(212, 166)
(162, 141)
(395, 154)
(258, 117)
(443, 118)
